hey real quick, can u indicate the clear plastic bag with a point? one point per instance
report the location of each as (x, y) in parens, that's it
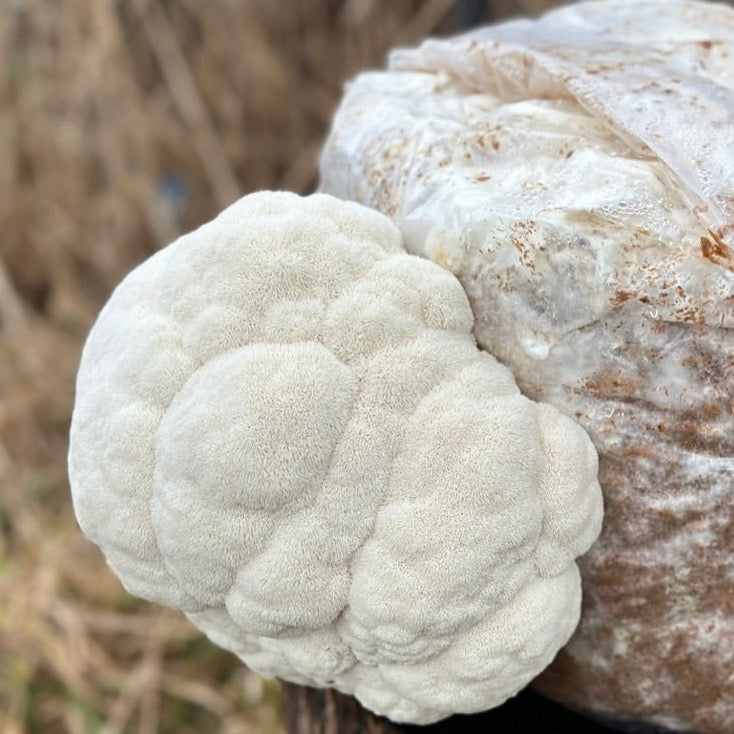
(577, 174)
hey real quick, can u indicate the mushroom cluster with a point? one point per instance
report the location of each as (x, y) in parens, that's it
(283, 427)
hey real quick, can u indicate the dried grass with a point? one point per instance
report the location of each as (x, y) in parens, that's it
(122, 124)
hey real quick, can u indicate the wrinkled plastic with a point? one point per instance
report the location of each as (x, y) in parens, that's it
(650, 70)
(607, 126)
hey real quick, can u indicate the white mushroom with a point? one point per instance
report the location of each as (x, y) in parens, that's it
(283, 427)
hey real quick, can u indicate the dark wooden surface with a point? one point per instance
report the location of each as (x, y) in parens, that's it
(317, 711)
(313, 711)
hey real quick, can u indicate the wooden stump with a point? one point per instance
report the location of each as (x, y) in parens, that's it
(326, 711)
(314, 711)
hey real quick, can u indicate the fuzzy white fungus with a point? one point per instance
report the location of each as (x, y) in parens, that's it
(283, 427)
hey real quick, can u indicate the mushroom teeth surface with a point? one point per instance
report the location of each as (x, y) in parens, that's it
(284, 428)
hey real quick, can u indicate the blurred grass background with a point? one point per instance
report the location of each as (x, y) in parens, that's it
(123, 124)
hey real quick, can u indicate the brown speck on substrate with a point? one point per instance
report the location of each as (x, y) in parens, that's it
(716, 251)
(621, 297)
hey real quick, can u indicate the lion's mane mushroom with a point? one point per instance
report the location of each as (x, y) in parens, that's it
(283, 427)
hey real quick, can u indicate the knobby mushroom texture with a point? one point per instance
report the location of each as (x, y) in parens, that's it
(283, 427)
